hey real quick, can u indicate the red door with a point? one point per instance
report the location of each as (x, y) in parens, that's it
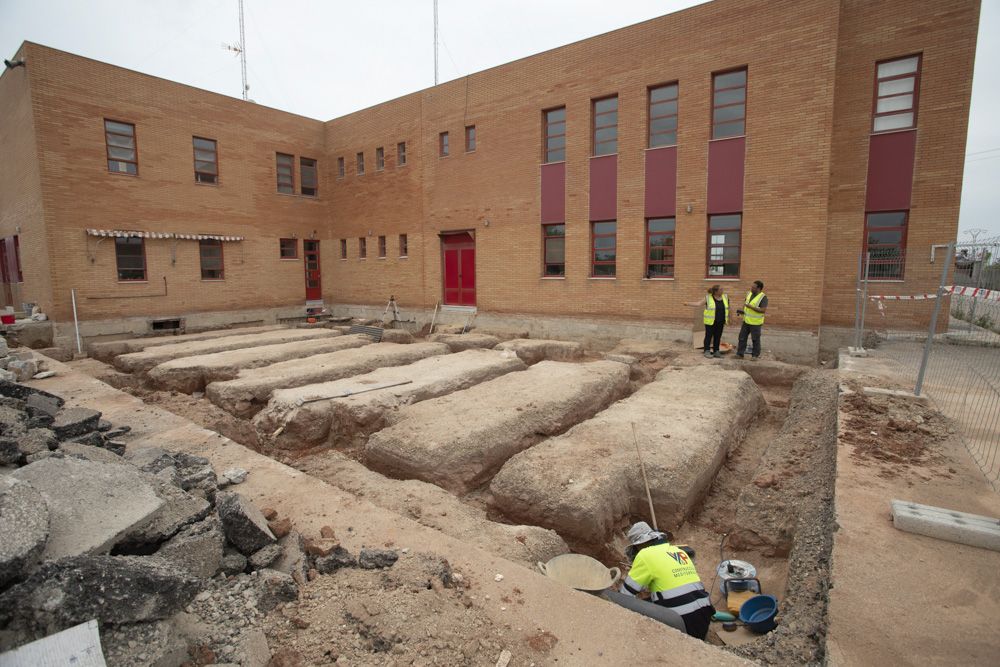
(314, 287)
(459, 260)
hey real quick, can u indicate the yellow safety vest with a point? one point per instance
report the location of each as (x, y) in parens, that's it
(753, 317)
(667, 572)
(709, 313)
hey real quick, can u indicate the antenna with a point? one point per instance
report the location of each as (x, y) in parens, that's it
(241, 49)
(435, 40)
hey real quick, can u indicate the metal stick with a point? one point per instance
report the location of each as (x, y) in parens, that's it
(934, 318)
(645, 482)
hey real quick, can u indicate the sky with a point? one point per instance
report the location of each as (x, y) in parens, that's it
(326, 58)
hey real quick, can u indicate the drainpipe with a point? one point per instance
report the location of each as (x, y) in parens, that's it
(76, 322)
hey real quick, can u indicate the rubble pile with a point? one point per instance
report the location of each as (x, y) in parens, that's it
(20, 365)
(175, 566)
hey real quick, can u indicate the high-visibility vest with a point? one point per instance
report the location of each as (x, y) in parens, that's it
(709, 313)
(668, 573)
(753, 317)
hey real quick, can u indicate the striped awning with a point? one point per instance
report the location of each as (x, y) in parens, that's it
(126, 233)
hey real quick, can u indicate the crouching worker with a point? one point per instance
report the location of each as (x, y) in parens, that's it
(668, 573)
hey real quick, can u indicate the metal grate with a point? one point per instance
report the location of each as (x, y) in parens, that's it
(375, 333)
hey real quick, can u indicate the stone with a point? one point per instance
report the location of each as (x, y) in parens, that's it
(320, 546)
(104, 426)
(72, 422)
(533, 350)
(10, 452)
(22, 392)
(43, 375)
(151, 459)
(117, 448)
(92, 505)
(7, 376)
(245, 526)
(24, 527)
(235, 475)
(153, 643)
(468, 341)
(23, 370)
(233, 562)
(251, 649)
(281, 527)
(48, 404)
(293, 560)
(327, 532)
(338, 558)
(45, 455)
(274, 588)
(376, 559)
(269, 513)
(179, 509)
(92, 439)
(13, 422)
(58, 353)
(397, 336)
(111, 589)
(192, 473)
(37, 440)
(198, 548)
(265, 557)
(117, 432)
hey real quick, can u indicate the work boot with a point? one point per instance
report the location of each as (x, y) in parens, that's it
(708, 354)
(717, 354)
(754, 358)
(739, 356)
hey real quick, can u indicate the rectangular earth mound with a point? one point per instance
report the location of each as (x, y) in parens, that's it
(458, 441)
(349, 419)
(141, 362)
(108, 350)
(468, 341)
(532, 350)
(191, 374)
(251, 390)
(585, 482)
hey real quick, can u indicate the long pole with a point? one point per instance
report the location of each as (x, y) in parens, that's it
(857, 304)
(76, 322)
(435, 42)
(243, 54)
(645, 481)
(934, 318)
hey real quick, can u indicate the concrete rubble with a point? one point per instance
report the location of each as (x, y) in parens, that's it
(532, 350)
(24, 525)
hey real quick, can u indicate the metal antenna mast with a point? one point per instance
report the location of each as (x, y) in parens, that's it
(435, 40)
(241, 49)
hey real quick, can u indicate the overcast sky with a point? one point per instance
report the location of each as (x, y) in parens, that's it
(323, 59)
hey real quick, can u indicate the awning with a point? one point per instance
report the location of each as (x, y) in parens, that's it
(124, 233)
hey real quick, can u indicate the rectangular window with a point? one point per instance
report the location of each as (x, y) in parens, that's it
(660, 247)
(211, 259)
(361, 164)
(379, 158)
(286, 174)
(554, 250)
(362, 247)
(130, 258)
(724, 245)
(404, 247)
(663, 115)
(729, 104)
(289, 248)
(555, 135)
(885, 244)
(343, 248)
(604, 248)
(606, 126)
(400, 153)
(470, 138)
(340, 167)
(309, 177)
(381, 246)
(443, 144)
(206, 160)
(123, 156)
(897, 87)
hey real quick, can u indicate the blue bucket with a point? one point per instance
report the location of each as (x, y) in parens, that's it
(758, 613)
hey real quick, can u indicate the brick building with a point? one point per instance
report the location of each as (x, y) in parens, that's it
(588, 190)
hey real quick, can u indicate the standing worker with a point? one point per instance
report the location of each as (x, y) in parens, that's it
(715, 316)
(753, 320)
(668, 573)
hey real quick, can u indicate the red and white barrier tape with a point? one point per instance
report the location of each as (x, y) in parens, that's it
(975, 292)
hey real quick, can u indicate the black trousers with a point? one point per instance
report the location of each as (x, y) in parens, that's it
(713, 336)
(753, 331)
(697, 622)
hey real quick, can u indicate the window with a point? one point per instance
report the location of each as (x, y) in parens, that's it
(404, 247)
(379, 158)
(381, 246)
(724, 245)
(211, 259)
(663, 116)
(604, 247)
(555, 135)
(885, 244)
(470, 138)
(308, 177)
(130, 258)
(660, 248)
(897, 86)
(606, 126)
(286, 174)
(554, 250)
(343, 248)
(443, 144)
(729, 104)
(340, 167)
(400, 153)
(362, 248)
(206, 160)
(361, 164)
(123, 157)
(289, 248)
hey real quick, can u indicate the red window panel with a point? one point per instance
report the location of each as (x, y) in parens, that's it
(286, 173)
(885, 244)
(309, 177)
(379, 159)
(360, 163)
(724, 238)
(17, 258)
(362, 248)
(554, 149)
(381, 247)
(660, 247)
(340, 167)
(122, 152)
(404, 246)
(343, 248)
(897, 89)
(210, 251)
(443, 147)
(554, 250)
(401, 154)
(663, 115)
(288, 248)
(729, 104)
(130, 258)
(470, 138)
(604, 248)
(605, 135)
(206, 160)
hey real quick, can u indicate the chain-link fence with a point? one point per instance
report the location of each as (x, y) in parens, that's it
(945, 341)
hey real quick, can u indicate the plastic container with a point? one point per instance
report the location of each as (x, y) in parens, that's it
(580, 572)
(734, 569)
(6, 318)
(758, 613)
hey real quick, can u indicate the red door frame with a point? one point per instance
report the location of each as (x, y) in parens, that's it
(458, 268)
(314, 283)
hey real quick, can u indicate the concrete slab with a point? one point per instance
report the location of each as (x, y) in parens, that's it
(458, 441)
(248, 393)
(24, 524)
(342, 421)
(586, 481)
(140, 362)
(468, 341)
(533, 350)
(766, 372)
(944, 524)
(107, 350)
(192, 374)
